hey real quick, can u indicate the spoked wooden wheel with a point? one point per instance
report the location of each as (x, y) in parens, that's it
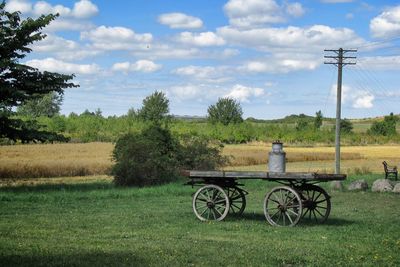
(210, 203)
(237, 200)
(316, 203)
(282, 206)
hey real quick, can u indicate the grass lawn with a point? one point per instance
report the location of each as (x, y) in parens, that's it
(95, 224)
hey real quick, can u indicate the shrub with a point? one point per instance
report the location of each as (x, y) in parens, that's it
(199, 153)
(145, 158)
(386, 127)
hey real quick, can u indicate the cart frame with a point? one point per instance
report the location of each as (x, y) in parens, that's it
(297, 197)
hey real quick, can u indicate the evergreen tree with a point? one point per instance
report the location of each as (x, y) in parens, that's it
(20, 83)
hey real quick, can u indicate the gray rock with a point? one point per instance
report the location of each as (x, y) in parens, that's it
(382, 185)
(358, 185)
(396, 188)
(336, 185)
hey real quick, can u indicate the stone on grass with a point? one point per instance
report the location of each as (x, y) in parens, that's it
(336, 185)
(396, 188)
(382, 185)
(358, 185)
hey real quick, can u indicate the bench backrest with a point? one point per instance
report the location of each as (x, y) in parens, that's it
(385, 166)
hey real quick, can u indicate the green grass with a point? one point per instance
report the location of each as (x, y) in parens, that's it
(96, 224)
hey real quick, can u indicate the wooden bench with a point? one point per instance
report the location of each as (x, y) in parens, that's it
(389, 171)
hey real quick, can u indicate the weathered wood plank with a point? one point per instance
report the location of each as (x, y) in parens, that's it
(265, 175)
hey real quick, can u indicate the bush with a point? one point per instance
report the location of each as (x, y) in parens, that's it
(199, 153)
(146, 158)
(386, 127)
(154, 156)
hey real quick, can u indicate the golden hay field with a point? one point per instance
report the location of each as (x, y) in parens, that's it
(55, 160)
(66, 160)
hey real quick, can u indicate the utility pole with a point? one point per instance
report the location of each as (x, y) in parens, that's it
(339, 60)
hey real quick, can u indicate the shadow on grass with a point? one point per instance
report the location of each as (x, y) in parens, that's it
(302, 222)
(79, 259)
(82, 187)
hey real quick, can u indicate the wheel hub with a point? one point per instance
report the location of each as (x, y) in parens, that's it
(282, 207)
(210, 204)
(310, 204)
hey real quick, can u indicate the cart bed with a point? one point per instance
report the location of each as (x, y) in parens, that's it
(272, 176)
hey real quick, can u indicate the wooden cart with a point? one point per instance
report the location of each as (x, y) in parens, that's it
(298, 196)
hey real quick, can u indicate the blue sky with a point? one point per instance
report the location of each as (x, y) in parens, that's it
(267, 54)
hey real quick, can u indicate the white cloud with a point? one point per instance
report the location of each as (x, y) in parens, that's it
(314, 38)
(247, 13)
(180, 21)
(336, 1)
(364, 101)
(84, 9)
(205, 73)
(295, 9)
(165, 51)
(197, 71)
(81, 10)
(70, 18)
(54, 65)
(200, 39)
(186, 92)
(244, 93)
(380, 63)
(256, 13)
(138, 66)
(386, 24)
(18, 5)
(54, 43)
(359, 99)
(281, 64)
(116, 38)
(62, 48)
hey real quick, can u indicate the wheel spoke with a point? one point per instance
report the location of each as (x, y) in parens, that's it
(290, 219)
(296, 214)
(220, 214)
(321, 207)
(201, 207)
(315, 216)
(319, 213)
(315, 199)
(276, 198)
(305, 213)
(201, 214)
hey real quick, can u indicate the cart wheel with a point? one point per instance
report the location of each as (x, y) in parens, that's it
(210, 203)
(282, 206)
(316, 203)
(237, 200)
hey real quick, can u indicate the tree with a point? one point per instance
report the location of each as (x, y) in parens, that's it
(318, 119)
(155, 108)
(385, 127)
(48, 106)
(345, 126)
(20, 83)
(225, 111)
(301, 124)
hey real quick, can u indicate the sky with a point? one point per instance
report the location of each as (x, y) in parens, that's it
(266, 54)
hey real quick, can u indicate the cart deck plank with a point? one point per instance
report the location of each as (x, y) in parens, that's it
(265, 175)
